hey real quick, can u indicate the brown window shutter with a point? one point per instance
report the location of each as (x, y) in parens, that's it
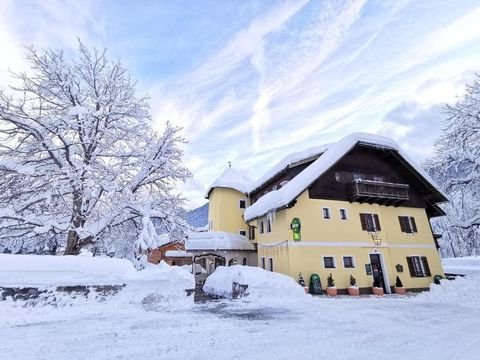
(414, 225)
(363, 220)
(377, 222)
(425, 266)
(401, 219)
(411, 267)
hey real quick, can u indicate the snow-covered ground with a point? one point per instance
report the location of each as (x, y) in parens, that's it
(462, 265)
(442, 324)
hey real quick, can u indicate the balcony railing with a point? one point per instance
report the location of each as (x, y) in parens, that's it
(380, 192)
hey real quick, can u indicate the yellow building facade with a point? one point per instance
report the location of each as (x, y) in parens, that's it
(362, 209)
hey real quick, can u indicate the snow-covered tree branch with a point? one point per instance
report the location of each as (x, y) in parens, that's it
(457, 168)
(79, 156)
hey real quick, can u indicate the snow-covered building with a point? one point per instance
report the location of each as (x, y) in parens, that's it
(356, 207)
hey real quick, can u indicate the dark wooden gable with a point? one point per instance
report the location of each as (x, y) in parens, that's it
(379, 169)
(274, 183)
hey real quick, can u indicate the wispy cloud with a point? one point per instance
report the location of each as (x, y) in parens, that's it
(251, 81)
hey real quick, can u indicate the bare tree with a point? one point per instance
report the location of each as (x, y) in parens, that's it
(79, 156)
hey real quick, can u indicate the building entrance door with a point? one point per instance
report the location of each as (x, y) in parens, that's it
(377, 271)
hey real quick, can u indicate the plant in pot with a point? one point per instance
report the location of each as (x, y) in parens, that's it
(331, 288)
(353, 289)
(377, 286)
(399, 289)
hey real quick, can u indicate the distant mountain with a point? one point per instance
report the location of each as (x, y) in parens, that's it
(198, 217)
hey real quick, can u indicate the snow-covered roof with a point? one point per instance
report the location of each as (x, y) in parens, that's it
(231, 179)
(331, 154)
(289, 160)
(217, 240)
(177, 253)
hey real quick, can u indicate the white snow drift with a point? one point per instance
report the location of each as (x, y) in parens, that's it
(261, 284)
(161, 283)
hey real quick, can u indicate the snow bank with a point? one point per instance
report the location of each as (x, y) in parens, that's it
(262, 284)
(463, 265)
(154, 284)
(158, 285)
(47, 270)
(463, 292)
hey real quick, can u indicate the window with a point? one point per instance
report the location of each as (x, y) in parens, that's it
(262, 262)
(269, 226)
(244, 261)
(242, 204)
(251, 232)
(329, 262)
(283, 183)
(326, 213)
(343, 214)
(243, 233)
(418, 266)
(348, 262)
(370, 222)
(274, 187)
(270, 264)
(261, 227)
(407, 224)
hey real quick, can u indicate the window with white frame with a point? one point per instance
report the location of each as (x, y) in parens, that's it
(242, 204)
(370, 222)
(418, 266)
(348, 262)
(329, 262)
(343, 214)
(326, 213)
(407, 224)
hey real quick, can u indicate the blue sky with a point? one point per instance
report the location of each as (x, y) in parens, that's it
(251, 81)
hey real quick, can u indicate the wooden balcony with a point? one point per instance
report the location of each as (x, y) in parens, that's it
(379, 192)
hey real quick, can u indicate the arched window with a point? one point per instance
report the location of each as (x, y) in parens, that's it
(244, 261)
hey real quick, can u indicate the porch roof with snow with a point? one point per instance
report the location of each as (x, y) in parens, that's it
(231, 179)
(217, 240)
(324, 158)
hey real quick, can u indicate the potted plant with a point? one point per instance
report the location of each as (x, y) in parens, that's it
(377, 287)
(301, 282)
(331, 288)
(399, 289)
(353, 289)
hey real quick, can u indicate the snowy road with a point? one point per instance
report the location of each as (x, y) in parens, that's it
(341, 328)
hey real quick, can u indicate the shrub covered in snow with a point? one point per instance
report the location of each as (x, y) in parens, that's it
(463, 291)
(261, 283)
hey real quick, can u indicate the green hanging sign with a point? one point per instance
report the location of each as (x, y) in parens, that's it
(296, 227)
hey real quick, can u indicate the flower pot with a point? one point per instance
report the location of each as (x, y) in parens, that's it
(400, 290)
(353, 291)
(377, 291)
(331, 291)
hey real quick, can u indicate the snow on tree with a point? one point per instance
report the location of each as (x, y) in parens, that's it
(79, 158)
(456, 168)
